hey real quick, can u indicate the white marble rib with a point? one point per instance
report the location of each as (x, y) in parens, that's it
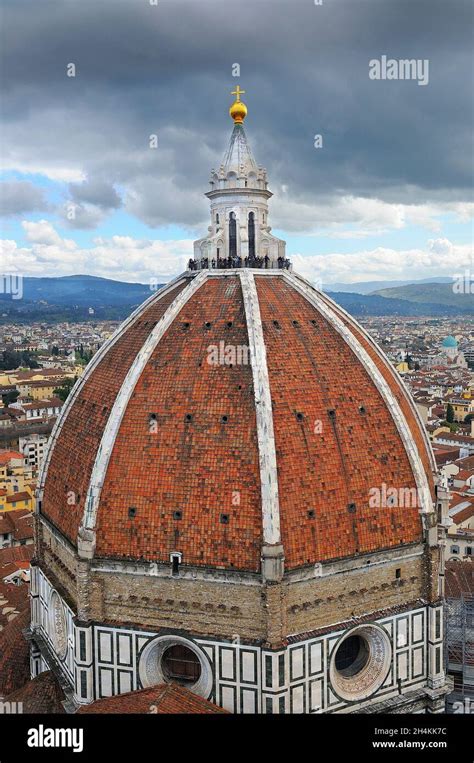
(263, 407)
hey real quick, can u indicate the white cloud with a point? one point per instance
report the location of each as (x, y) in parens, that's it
(440, 257)
(42, 232)
(366, 216)
(53, 170)
(120, 257)
(126, 258)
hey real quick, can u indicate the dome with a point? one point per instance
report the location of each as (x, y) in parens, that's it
(450, 341)
(233, 410)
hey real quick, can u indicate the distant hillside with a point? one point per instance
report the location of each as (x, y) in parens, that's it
(69, 299)
(369, 287)
(430, 293)
(82, 291)
(372, 304)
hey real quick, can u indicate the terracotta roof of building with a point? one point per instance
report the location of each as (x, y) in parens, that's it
(18, 522)
(46, 383)
(459, 579)
(204, 450)
(11, 412)
(9, 455)
(14, 554)
(457, 498)
(26, 375)
(41, 695)
(54, 402)
(462, 439)
(13, 598)
(21, 496)
(14, 653)
(163, 699)
(465, 463)
(464, 474)
(462, 512)
(445, 453)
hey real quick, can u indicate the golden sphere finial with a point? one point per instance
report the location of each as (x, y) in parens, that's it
(238, 110)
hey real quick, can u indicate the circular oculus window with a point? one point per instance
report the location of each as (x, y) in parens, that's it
(360, 662)
(174, 659)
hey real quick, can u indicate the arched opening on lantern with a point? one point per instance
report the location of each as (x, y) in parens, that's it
(232, 235)
(251, 234)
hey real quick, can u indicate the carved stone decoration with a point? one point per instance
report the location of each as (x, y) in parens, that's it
(57, 625)
(365, 682)
(151, 668)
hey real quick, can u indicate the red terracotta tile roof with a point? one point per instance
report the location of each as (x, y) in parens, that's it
(8, 455)
(39, 404)
(327, 471)
(46, 383)
(459, 579)
(81, 432)
(15, 553)
(27, 375)
(14, 654)
(463, 474)
(202, 461)
(8, 569)
(22, 496)
(464, 514)
(18, 522)
(462, 439)
(444, 453)
(466, 463)
(396, 387)
(42, 695)
(13, 598)
(457, 498)
(214, 459)
(163, 699)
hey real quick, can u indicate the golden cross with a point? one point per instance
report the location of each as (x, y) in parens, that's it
(237, 92)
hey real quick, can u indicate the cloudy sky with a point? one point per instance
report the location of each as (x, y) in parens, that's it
(389, 195)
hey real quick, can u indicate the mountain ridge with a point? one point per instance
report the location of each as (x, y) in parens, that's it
(84, 297)
(424, 293)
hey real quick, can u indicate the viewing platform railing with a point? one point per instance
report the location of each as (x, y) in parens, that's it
(228, 263)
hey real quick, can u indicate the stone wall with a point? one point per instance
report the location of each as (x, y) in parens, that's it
(202, 607)
(323, 601)
(58, 560)
(225, 606)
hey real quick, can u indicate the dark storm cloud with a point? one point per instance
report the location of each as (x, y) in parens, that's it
(19, 197)
(166, 69)
(97, 192)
